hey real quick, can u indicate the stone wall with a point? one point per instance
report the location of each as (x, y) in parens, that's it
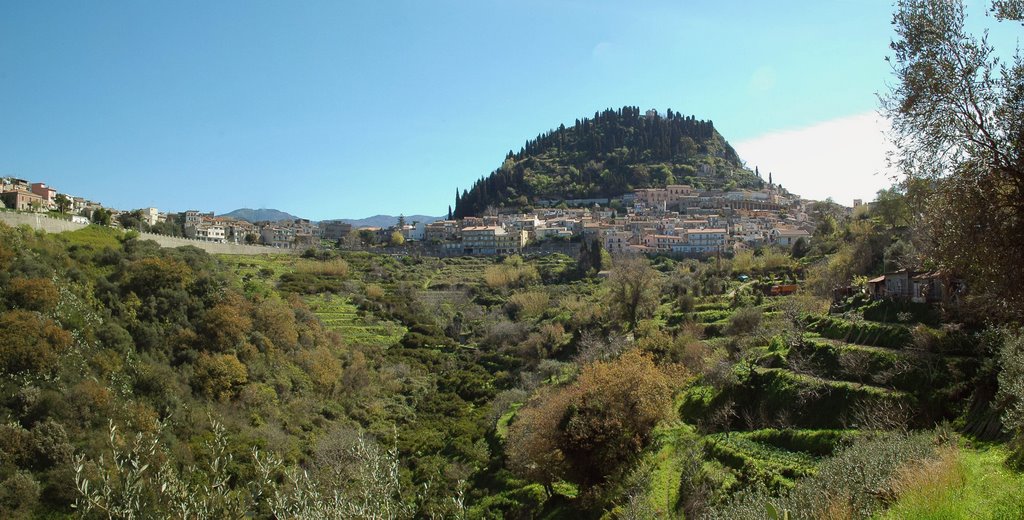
(38, 221)
(53, 225)
(213, 247)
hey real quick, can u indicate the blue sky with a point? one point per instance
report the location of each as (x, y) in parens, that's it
(348, 109)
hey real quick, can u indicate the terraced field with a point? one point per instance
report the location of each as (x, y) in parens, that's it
(339, 314)
(758, 460)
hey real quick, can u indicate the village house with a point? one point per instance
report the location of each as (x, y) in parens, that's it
(787, 236)
(664, 243)
(46, 193)
(152, 216)
(922, 287)
(278, 236)
(441, 231)
(703, 242)
(492, 240)
(616, 242)
(23, 200)
(335, 229)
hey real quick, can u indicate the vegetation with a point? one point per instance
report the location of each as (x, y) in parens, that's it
(956, 110)
(608, 155)
(147, 382)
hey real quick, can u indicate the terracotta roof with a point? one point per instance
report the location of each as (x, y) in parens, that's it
(877, 280)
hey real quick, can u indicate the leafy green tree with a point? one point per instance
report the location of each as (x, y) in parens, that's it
(800, 248)
(63, 203)
(892, 208)
(1011, 391)
(131, 219)
(101, 216)
(397, 238)
(633, 289)
(367, 237)
(957, 113)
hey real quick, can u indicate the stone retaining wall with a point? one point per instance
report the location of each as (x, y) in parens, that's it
(54, 225)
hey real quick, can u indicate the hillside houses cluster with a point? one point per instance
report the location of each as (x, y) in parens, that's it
(23, 195)
(285, 234)
(676, 219)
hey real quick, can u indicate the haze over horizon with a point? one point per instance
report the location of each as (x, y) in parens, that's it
(332, 110)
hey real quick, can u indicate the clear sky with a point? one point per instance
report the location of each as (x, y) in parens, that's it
(346, 109)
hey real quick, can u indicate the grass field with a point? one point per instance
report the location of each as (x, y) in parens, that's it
(95, 237)
(964, 484)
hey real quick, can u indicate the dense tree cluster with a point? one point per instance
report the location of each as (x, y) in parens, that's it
(609, 154)
(957, 110)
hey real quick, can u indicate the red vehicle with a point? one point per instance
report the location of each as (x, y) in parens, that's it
(783, 290)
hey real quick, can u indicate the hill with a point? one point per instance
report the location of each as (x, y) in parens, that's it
(259, 215)
(605, 156)
(386, 220)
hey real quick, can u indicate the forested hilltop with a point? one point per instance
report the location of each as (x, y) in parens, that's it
(605, 156)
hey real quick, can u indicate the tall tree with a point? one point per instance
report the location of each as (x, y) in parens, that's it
(63, 203)
(634, 288)
(957, 112)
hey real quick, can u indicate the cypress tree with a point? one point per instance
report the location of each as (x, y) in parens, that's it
(595, 255)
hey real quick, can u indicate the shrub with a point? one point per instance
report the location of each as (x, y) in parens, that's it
(744, 321)
(373, 291)
(589, 430)
(19, 495)
(336, 268)
(528, 304)
(855, 483)
(864, 333)
(31, 343)
(33, 294)
(1011, 392)
(224, 327)
(219, 376)
(50, 444)
(815, 442)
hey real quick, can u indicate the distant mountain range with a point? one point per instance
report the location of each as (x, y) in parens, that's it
(273, 215)
(259, 215)
(387, 220)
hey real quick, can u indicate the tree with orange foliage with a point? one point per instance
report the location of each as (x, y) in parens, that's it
(589, 430)
(30, 343)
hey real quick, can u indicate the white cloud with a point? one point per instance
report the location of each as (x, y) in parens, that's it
(842, 158)
(762, 79)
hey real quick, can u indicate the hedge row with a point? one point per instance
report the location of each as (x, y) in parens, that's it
(862, 333)
(890, 311)
(808, 402)
(820, 443)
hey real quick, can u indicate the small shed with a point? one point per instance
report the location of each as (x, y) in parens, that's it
(876, 287)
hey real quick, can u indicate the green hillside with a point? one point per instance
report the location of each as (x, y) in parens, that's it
(607, 155)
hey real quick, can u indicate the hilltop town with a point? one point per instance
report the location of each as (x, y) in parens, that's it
(677, 220)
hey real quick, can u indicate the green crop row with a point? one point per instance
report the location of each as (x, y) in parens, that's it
(863, 333)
